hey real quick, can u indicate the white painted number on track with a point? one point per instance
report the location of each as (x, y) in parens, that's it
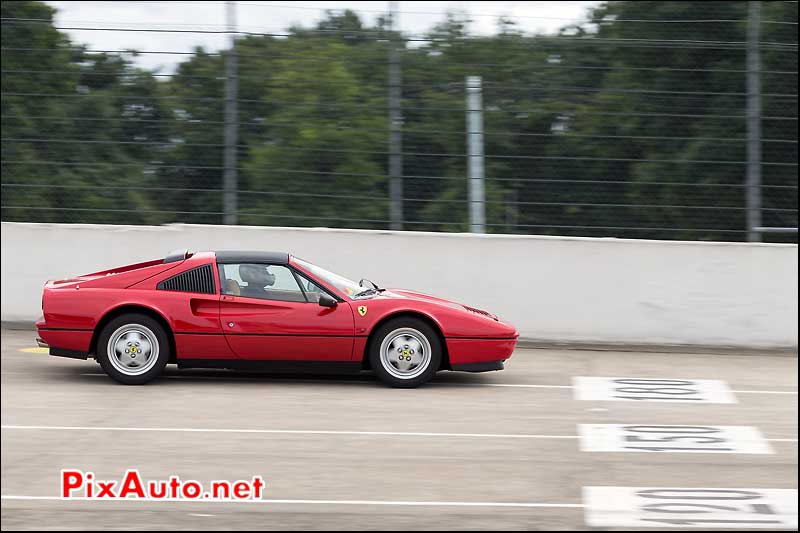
(686, 391)
(671, 439)
(703, 508)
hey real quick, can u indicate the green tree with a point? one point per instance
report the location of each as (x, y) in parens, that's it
(630, 124)
(77, 127)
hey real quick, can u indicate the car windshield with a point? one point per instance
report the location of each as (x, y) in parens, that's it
(347, 286)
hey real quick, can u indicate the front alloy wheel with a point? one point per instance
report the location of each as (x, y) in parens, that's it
(405, 352)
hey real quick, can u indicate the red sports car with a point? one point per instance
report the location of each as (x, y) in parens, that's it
(242, 310)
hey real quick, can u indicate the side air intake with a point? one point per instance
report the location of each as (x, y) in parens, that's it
(200, 279)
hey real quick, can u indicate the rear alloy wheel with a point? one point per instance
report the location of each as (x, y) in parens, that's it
(133, 349)
(405, 352)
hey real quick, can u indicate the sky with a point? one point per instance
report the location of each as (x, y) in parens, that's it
(269, 17)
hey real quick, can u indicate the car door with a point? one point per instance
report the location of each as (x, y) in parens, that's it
(267, 315)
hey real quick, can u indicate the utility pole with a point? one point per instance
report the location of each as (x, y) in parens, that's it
(231, 121)
(395, 126)
(753, 180)
(477, 205)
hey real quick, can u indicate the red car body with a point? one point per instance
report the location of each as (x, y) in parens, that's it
(222, 330)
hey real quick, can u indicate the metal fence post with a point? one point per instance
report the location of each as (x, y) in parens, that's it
(477, 205)
(231, 118)
(395, 127)
(753, 180)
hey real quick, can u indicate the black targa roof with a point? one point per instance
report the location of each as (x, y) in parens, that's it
(237, 256)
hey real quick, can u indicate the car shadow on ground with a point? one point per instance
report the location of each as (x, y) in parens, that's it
(93, 374)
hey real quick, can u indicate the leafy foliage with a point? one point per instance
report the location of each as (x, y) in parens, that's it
(589, 132)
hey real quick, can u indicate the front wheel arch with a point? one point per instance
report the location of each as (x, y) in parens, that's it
(444, 365)
(135, 309)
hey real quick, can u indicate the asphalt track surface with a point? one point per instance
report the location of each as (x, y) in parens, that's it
(469, 451)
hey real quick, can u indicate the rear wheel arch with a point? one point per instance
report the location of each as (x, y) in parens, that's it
(445, 364)
(139, 309)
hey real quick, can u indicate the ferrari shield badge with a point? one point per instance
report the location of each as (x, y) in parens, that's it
(362, 310)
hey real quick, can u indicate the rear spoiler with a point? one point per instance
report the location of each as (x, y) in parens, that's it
(177, 255)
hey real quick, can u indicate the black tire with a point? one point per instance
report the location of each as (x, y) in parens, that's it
(143, 323)
(387, 330)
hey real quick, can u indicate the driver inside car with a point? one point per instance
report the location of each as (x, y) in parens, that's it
(257, 278)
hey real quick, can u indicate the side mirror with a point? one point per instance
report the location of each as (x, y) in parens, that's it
(326, 300)
(361, 283)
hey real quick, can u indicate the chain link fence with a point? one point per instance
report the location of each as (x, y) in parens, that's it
(632, 124)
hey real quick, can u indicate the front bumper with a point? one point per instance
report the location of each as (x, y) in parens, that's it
(465, 351)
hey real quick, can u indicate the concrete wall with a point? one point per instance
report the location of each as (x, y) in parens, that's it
(551, 288)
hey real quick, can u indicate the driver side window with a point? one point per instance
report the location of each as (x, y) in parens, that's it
(266, 282)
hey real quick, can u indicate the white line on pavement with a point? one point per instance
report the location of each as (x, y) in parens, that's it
(13, 497)
(521, 385)
(297, 432)
(311, 432)
(436, 383)
(765, 391)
